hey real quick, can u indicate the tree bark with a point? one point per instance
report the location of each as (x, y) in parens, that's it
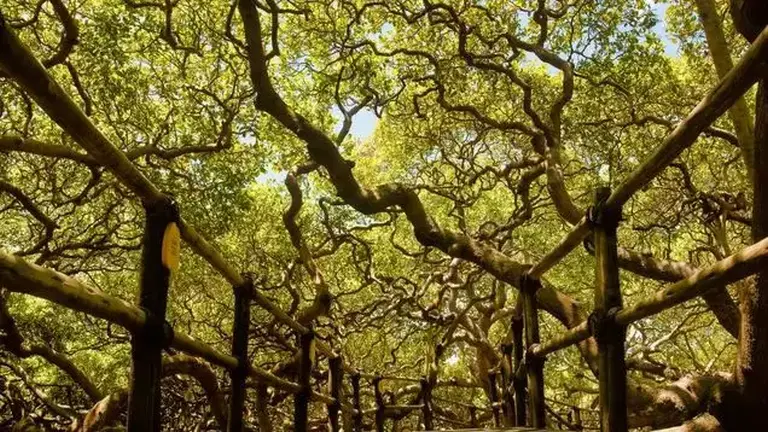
(739, 113)
(752, 369)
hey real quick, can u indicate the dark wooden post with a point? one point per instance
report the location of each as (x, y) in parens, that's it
(426, 400)
(577, 419)
(750, 18)
(493, 395)
(518, 382)
(335, 377)
(159, 256)
(358, 416)
(534, 365)
(507, 377)
(609, 334)
(240, 352)
(301, 399)
(473, 416)
(379, 404)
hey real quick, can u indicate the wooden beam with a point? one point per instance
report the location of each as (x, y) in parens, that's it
(740, 79)
(358, 414)
(493, 396)
(335, 377)
(380, 407)
(610, 335)
(534, 365)
(507, 374)
(240, 327)
(426, 401)
(570, 337)
(518, 383)
(746, 262)
(301, 398)
(147, 343)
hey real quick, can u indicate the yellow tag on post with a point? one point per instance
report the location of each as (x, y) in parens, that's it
(171, 247)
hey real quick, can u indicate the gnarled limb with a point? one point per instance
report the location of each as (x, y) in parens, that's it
(15, 343)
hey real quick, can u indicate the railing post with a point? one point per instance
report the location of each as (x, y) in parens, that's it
(473, 416)
(493, 395)
(379, 404)
(301, 399)
(159, 256)
(534, 365)
(518, 382)
(609, 334)
(577, 419)
(358, 416)
(426, 400)
(240, 352)
(507, 374)
(335, 376)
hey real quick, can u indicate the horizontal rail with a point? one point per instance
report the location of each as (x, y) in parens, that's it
(571, 337)
(20, 276)
(390, 410)
(461, 404)
(744, 263)
(566, 245)
(743, 76)
(371, 376)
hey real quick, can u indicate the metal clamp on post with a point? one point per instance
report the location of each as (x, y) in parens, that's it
(156, 332)
(602, 215)
(532, 360)
(602, 325)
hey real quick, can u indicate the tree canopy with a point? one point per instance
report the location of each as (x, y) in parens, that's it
(387, 171)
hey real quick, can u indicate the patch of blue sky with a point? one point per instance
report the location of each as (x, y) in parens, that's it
(671, 47)
(363, 123)
(271, 177)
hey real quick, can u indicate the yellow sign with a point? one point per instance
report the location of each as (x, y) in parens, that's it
(171, 247)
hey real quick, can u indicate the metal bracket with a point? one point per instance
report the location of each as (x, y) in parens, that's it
(600, 215)
(157, 332)
(530, 359)
(602, 325)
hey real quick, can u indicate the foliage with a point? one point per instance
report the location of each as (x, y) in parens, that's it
(497, 115)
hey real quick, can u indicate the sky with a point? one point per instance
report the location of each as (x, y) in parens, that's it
(671, 48)
(365, 121)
